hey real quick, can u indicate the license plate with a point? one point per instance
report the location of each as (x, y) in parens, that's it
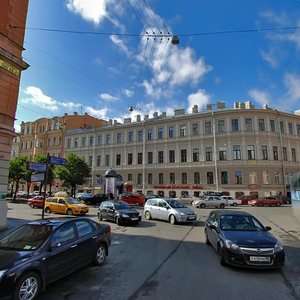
(191, 218)
(134, 219)
(259, 258)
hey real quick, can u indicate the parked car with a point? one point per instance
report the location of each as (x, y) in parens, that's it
(42, 251)
(241, 240)
(119, 212)
(246, 198)
(36, 201)
(132, 198)
(232, 201)
(151, 196)
(189, 198)
(266, 201)
(91, 199)
(21, 194)
(65, 205)
(211, 201)
(168, 209)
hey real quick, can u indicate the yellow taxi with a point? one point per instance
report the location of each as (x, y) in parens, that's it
(65, 205)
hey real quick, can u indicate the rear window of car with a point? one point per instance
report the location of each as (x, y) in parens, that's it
(152, 202)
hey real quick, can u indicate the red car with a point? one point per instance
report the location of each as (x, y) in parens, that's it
(267, 201)
(36, 201)
(246, 198)
(135, 199)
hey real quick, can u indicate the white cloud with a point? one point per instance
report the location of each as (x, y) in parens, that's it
(120, 43)
(270, 57)
(91, 10)
(97, 113)
(35, 96)
(200, 98)
(128, 93)
(292, 83)
(259, 96)
(279, 19)
(108, 97)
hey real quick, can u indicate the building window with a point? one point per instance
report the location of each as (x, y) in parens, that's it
(208, 154)
(83, 141)
(68, 143)
(248, 124)
(272, 125)
(107, 160)
(284, 153)
(171, 131)
(221, 126)
(140, 158)
(130, 137)
(150, 134)
(195, 129)
(139, 179)
(294, 158)
(196, 178)
(140, 135)
(129, 159)
(222, 153)
(160, 178)
(49, 143)
(196, 155)
(275, 153)
(224, 177)
(238, 177)
(91, 140)
(150, 158)
(76, 143)
(171, 156)
(160, 133)
(277, 178)
(210, 178)
(250, 152)
(281, 125)
(119, 138)
(207, 127)
(182, 130)
(183, 155)
(98, 160)
(107, 139)
(150, 178)
(264, 152)
(129, 177)
(298, 130)
(290, 126)
(90, 161)
(261, 125)
(235, 125)
(184, 178)
(160, 157)
(118, 159)
(252, 178)
(172, 178)
(266, 177)
(99, 139)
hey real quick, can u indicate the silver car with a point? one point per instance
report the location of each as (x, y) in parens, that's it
(168, 209)
(211, 201)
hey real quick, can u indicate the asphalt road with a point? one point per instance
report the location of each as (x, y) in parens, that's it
(157, 260)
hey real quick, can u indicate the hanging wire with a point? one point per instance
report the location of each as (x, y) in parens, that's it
(150, 12)
(155, 5)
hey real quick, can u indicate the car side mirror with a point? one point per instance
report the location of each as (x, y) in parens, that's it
(268, 228)
(55, 244)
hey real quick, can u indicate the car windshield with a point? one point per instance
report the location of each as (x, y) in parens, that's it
(175, 204)
(73, 201)
(26, 238)
(122, 205)
(240, 223)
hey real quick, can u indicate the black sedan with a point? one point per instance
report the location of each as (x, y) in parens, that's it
(42, 251)
(91, 199)
(241, 240)
(119, 212)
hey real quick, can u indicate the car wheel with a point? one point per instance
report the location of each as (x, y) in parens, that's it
(202, 205)
(47, 210)
(99, 216)
(172, 219)
(221, 256)
(234, 204)
(69, 212)
(118, 221)
(100, 255)
(148, 215)
(27, 287)
(207, 242)
(32, 206)
(222, 205)
(260, 204)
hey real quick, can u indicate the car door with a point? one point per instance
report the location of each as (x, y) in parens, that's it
(103, 208)
(212, 233)
(63, 252)
(209, 201)
(53, 204)
(110, 211)
(61, 206)
(163, 212)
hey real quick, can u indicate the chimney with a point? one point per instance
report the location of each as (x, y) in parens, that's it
(195, 109)
(138, 118)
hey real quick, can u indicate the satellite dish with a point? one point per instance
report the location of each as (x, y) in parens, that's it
(175, 40)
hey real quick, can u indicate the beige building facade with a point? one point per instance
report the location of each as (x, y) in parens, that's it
(240, 150)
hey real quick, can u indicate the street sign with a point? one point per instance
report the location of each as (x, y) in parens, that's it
(57, 160)
(38, 177)
(35, 166)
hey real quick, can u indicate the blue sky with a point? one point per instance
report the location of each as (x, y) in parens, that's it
(102, 56)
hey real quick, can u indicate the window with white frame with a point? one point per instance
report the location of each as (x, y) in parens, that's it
(196, 155)
(183, 155)
(182, 130)
(252, 177)
(266, 177)
(264, 152)
(250, 152)
(195, 129)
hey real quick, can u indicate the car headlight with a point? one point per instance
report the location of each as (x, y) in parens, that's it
(232, 246)
(2, 272)
(278, 247)
(182, 214)
(125, 216)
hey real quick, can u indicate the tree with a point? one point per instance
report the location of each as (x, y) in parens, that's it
(18, 170)
(75, 172)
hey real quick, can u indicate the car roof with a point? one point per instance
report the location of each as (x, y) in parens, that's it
(228, 212)
(55, 222)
